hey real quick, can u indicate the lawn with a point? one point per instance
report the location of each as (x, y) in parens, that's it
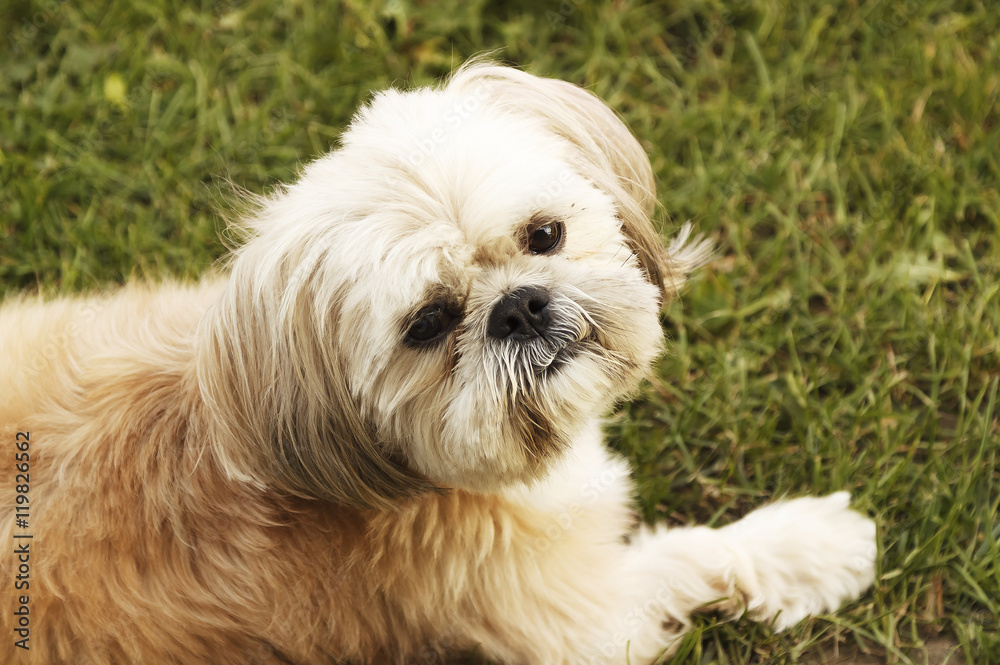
(844, 157)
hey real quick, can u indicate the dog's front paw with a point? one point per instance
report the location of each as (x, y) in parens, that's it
(806, 555)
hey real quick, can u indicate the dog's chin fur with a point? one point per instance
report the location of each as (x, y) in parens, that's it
(269, 466)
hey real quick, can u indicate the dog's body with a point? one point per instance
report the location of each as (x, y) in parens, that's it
(377, 439)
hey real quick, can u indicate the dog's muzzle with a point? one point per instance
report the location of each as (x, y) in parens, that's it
(521, 315)
(536, 332)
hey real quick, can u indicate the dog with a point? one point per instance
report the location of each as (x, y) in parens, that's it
(374, 436)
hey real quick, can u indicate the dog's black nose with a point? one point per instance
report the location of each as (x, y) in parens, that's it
(520, 315)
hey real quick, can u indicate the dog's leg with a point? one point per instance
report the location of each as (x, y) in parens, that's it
(781, 563)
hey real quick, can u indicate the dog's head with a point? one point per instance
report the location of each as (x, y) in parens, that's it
(445, 300)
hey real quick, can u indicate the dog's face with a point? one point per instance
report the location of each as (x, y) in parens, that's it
(443, 301)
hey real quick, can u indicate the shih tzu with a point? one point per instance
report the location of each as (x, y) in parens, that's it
(377, 438)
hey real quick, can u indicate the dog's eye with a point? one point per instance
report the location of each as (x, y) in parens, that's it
(430, 322)
(545, 238)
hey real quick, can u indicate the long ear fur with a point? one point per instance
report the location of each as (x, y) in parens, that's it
(276, 391)
(610, 157)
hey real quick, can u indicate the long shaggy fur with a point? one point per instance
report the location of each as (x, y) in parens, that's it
(265, 467)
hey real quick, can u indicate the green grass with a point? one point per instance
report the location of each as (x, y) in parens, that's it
(844, 157)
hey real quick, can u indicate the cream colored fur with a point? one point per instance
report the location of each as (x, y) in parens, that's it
(262, 468)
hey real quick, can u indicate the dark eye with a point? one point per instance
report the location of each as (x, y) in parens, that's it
(429, 323)
(545, 238)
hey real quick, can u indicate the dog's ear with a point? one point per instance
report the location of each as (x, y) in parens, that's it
(610, 157)
(281, 411)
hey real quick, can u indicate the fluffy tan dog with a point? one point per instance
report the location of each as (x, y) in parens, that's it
(377, 437)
